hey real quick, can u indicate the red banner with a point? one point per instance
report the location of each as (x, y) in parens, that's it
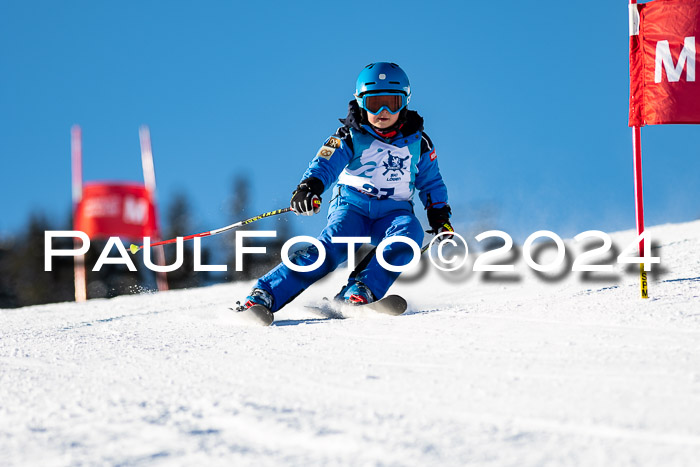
(664, 37)
(116, 209)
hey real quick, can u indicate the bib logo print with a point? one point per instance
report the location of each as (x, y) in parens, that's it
(395, 165)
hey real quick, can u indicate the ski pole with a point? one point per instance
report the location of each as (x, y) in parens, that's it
(436, 233)
(136, 248)
(426, 246)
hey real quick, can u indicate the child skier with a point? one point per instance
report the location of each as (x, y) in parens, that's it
(379, 157)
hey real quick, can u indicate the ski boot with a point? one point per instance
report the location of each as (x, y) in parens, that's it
(356, 293)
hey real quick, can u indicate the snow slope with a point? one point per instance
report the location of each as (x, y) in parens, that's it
(505, 372)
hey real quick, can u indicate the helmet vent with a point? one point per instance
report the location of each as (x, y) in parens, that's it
(370, 82)
(394, 82)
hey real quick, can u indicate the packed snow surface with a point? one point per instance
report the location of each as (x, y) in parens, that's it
(513, 369)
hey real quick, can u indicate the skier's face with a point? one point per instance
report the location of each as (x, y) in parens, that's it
(383, 119)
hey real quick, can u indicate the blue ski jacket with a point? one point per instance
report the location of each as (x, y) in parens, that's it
(388, 169)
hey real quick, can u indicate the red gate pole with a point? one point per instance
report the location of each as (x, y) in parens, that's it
(149, 178)
(637, 155)
(639, 203)
(76, 141)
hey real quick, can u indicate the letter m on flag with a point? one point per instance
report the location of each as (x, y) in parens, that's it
(663, 57)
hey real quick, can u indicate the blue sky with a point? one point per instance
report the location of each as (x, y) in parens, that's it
(526, 103)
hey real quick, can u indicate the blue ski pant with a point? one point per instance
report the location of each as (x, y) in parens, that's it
(351, 214)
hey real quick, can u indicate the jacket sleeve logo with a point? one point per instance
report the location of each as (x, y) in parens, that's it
(329, 148)
(333, 142)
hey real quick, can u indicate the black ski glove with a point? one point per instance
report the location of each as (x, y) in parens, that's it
(439, 220)
(306, 199)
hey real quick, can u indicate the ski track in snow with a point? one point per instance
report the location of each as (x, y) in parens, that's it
(523, 372)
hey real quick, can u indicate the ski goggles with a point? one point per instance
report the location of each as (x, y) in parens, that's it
(392, 102)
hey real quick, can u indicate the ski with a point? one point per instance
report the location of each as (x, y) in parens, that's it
(257, 314)
(393, 305)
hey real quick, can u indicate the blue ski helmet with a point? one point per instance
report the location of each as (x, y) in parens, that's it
(382, 77)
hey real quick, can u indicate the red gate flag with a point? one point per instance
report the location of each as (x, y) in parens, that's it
(116, 209)
(664, 37)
